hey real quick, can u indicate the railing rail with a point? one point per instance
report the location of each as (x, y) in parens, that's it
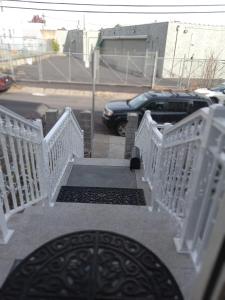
(185, 168)
(20, 165)
(63, 143)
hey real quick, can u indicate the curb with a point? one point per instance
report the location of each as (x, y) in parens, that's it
(65, 92)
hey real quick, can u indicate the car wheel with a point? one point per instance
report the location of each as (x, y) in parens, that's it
(121, 128)
(214, 100)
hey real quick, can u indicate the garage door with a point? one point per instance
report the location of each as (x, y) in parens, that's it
(123, 46)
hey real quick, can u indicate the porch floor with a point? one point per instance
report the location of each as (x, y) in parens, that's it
(39, 224)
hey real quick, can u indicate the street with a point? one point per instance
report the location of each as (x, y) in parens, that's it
(34, 106)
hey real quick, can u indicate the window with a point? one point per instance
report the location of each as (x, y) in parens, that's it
(138, 101)
(156, 106)
(177, 106)
(199, 104)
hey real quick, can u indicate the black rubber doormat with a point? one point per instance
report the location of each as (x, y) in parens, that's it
(97, 195)
(91, 265)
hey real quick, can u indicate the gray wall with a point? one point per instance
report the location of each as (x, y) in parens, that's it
(74, 41)
(156, 35)
(155, 41)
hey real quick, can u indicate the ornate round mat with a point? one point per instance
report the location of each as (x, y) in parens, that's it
(91, 265)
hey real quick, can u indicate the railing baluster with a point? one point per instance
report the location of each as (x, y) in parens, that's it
(8, 171)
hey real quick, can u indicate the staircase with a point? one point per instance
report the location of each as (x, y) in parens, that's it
(182, 180)
(41, 223)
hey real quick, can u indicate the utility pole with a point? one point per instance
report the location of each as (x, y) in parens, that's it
(175, 48)
(93, 96)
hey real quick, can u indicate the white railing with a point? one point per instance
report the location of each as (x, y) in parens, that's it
(62, 144)
(21, 182)
(33, 168)
(149, 141)
(186, 172)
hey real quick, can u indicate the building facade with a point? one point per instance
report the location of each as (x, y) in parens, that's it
(174, 42)
(81, 43)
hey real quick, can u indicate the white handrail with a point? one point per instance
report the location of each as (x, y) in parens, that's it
(63, 142)
(21, 182)
(32, 168)
(15, 116)
(185, 168)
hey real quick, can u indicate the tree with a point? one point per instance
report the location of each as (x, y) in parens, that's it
(55, 46)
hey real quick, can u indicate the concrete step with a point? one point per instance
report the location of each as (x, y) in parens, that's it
(102, 175)
(113, 162)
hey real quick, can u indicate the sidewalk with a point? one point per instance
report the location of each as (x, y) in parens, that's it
(108, 146)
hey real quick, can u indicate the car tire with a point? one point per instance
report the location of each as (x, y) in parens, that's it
(121, 128)
(214, 100)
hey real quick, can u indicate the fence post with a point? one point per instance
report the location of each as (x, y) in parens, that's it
(189, 76)
(69, 66)
(6, 232)
(182, 71)
(11, 66)
(146, 63)
(154, 70)
(40, 69)
(127, 67)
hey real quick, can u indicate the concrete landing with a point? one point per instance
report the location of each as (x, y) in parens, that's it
(108, 146)
(38, 225)
(102, 176)
(156, 230)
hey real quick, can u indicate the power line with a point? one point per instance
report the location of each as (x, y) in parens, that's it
(119, 5)
(118, 12)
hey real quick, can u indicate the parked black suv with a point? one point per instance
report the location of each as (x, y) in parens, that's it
(165, 107)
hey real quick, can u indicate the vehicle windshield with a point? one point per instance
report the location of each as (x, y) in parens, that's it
(138, 101)
(218, 88)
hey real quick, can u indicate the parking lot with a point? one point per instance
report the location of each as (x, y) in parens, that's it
(65, 68)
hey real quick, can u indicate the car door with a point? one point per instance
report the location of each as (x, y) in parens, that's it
(197, 104)
(177, 109)
(157, 108)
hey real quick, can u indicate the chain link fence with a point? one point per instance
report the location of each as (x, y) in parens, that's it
(126, 70)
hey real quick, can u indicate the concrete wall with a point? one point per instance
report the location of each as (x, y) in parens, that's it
(156, 35)
(74, 41)
(146, 38)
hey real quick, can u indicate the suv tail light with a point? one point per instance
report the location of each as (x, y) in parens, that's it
(2, 81)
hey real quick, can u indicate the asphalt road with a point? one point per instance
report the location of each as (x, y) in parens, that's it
(35, 106)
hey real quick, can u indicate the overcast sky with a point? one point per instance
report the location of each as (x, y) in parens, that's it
(71, 20)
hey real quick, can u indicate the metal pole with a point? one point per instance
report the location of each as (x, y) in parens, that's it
(189, 77)
(69, 66)
(93, 98)
(40, 69)
(154, 70)
(146, 63)
(127, 67)
(182, 72)
(11, 66)
(175, 48)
